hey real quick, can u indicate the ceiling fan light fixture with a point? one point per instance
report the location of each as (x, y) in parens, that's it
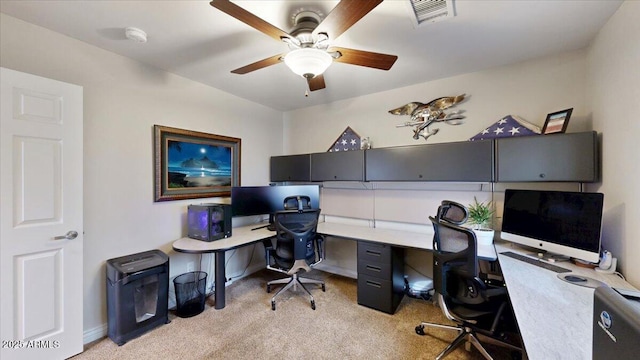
(308, 62)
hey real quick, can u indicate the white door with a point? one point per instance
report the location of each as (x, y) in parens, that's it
(41, 217)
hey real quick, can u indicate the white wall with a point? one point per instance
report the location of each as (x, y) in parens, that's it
(613, 89)
(123, 100)
(530, 90)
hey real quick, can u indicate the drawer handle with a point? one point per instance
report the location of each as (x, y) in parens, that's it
(374, 268)
(374, 253)
(374, 284)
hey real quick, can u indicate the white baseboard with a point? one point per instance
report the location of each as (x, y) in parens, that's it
(94, 334)
(250, 270)
(101, 331)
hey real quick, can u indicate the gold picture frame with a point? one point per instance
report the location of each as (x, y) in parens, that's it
(191, 164)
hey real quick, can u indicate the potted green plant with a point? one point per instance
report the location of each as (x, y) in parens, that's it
(480, 217)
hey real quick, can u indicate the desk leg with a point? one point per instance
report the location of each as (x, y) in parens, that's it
(220, 280)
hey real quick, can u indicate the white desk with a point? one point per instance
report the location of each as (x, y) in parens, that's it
(399, 238)
(240, 236)
(555, 317)
(245, 235)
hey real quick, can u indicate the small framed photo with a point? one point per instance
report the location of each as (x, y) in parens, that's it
(557, 122)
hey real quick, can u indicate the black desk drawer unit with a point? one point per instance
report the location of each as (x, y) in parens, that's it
(380, 276)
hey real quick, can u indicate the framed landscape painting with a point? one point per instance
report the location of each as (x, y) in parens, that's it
(190, 164)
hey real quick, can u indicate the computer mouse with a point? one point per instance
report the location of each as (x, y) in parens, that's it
(575, 278)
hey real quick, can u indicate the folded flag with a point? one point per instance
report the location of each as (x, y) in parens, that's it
(508, 126)
(349, 140)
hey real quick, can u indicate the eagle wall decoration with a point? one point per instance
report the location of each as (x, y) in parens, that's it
(423, 115)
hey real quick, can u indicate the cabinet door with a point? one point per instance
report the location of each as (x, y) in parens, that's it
(458, 161)
(291, 168)
(338, 166)
(555, 157)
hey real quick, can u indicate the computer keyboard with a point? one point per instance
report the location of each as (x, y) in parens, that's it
(536, 262)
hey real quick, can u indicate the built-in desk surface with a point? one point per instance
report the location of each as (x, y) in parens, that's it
(555, 317)
(408, 239)
(240, 236)
(246, 235)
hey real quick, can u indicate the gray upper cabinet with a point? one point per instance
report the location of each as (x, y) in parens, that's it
(457, 161)
(338, 166)
(290, 168)
(555, 157)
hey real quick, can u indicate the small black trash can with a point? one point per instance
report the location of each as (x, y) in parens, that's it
(190, 293)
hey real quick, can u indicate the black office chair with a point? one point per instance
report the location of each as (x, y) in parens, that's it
(297, 246)
(475, 305)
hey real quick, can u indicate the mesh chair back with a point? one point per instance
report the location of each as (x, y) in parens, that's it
(451, 238)
(295, 232)
(455, 249)
(298, 202)
(452, 212)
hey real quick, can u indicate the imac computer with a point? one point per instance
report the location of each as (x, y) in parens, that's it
(560, 222)
(266, 200)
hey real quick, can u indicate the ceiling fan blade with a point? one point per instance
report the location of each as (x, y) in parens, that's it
(344, 15)
(365, 58)
(259, 64)
(316, 83)
(248, 18)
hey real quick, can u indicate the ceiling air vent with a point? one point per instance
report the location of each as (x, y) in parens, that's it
(431, 10)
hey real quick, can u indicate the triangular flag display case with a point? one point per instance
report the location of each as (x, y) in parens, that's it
(348, 140)
(508, 126)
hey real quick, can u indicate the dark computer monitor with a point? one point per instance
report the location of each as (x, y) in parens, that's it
(561, 222)
(266, 200)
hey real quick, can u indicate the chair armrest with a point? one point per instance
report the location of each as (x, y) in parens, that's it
(319, 244)
(268, 248)
(268, 243)
(495, 292)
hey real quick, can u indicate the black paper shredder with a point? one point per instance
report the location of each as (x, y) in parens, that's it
(137, 294)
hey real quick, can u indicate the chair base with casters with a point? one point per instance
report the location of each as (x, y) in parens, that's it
(468, 333)
(294, 281)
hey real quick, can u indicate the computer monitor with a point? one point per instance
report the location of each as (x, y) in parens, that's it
(266, 200)
(561, 222)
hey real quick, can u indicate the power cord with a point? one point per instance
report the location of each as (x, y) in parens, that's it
(620, 275)
(245, 268)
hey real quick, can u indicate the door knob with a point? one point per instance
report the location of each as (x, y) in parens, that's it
(68, 236)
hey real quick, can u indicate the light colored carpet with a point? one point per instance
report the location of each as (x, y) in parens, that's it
(247, 328)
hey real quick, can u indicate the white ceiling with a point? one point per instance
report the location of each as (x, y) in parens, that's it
(194, 40)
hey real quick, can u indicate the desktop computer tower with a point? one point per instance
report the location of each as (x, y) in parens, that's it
(209, 222)
(616, 324)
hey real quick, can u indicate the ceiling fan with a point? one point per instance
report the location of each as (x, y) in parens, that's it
(310, 51)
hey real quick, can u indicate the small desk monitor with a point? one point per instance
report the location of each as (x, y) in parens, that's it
(561, 222)
(266, 200)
